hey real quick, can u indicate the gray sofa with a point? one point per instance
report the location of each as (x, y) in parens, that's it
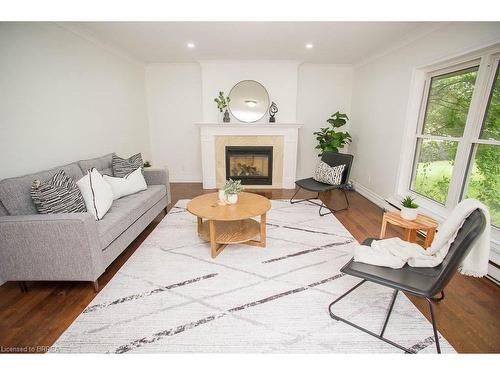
(72, 246)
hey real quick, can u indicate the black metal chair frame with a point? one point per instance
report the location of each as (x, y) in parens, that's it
(332, 159)
(472, 228)
(388, 315)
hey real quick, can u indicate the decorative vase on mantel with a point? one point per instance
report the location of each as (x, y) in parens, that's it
(226, 117)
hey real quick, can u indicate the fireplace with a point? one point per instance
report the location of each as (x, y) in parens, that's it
(253, 165)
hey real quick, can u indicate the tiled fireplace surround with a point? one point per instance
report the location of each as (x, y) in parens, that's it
(282, 137)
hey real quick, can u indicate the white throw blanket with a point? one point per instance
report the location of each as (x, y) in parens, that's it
(395, 253)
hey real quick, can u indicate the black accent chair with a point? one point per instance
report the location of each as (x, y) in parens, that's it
(310, 184)
(422, 282)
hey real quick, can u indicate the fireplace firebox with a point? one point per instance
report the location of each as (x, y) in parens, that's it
(253, 165)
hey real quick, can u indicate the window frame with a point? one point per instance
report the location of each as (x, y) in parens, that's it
(487, 59)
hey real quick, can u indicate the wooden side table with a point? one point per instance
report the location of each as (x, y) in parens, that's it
(411, 227)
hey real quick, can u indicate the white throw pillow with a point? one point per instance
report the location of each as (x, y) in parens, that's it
(130, 184)
(96, 193)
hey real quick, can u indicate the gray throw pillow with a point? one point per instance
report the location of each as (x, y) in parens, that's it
(123, 167)
(329, 175)
(57, 195)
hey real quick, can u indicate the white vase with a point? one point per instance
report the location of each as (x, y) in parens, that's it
(232, 198)
(222, 195)
(409, 213)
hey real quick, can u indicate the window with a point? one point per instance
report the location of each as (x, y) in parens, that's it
(457, 142)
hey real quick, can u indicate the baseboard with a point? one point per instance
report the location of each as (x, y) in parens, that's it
(370, 195)
(185, 180)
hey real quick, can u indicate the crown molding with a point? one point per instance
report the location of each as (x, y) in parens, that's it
(87, 35)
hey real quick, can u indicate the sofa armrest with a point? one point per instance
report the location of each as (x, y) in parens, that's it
(158, 176)
(50, 247)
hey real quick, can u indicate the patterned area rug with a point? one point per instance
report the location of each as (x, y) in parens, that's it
(171, 296)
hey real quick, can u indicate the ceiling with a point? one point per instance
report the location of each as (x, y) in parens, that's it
(334, 42)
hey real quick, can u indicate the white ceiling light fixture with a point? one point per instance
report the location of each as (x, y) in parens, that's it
(190, 45)
(309, 45)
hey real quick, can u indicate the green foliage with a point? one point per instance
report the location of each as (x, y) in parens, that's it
(147, 164)
(233, 187)
(222, 101)
(448, 103)
(329, 139)
(409, 202)
(484, 181)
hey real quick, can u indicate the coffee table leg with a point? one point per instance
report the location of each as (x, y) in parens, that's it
(213, 244)
(200, 222)
(263, 230)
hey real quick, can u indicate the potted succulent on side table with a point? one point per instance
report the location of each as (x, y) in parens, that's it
(232, 188)
(410, 208)
(222, 103)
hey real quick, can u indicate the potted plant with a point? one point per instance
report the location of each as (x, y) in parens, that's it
(232, 188)
(222, 103)
(329, 139)
(147, 164)
(410, 208)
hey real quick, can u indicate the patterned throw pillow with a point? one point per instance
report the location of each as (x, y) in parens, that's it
(57, 195)
(329, 175)
(123, 167)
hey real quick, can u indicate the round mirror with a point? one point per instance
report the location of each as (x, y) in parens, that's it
(249, 101)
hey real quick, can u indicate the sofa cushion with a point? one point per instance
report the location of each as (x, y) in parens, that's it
(15, 191)
(102, 164)
(122, 167)
(57, 195)
(125, 211)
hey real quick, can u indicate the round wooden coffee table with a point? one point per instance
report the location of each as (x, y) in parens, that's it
(228, 224)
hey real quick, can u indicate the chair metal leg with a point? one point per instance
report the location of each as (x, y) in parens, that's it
(380, 337)
(434, 328)
(322, 205)
(394, 295)
(325, 206)
(302, 200)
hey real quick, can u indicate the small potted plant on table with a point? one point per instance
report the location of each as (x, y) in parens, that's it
(232, 188)
(410, 208)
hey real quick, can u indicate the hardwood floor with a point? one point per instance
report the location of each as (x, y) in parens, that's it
(32, 321)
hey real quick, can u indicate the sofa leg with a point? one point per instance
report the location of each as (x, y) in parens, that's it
(96, 286)
(23, 286)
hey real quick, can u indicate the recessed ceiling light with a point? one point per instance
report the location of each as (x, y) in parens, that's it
(309, 45)
(190, 45)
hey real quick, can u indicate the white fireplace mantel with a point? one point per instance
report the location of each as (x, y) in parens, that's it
(209, 131)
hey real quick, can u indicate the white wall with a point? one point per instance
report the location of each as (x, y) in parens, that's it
(380, 99)
(174, 105)
(323, 89)
(278, 77)
(180, 95)
(64, 98)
